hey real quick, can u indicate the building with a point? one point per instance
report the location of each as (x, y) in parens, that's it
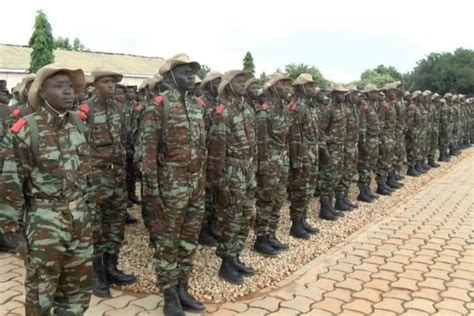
(15, 60)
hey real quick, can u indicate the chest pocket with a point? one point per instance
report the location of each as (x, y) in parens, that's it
(49, 161)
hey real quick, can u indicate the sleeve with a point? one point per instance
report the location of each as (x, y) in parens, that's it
(149, 141)
(294, 140)
(14, 172)
(262, 142)
(217, 148)
(325, 122)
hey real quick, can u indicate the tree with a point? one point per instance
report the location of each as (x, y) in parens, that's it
(263, 78)
(248, 63)
(294, 70)
(379, 76)
(203, 71)
(42, 43)
(62, 43)
(77, 45)
(444, 72)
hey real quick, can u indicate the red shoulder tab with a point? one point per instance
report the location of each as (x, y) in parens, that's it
(17, 126)
(16, 113)
(159, 100)
(365, 106)
(85, 108)
(265, 106)
(139, 107)
(292, 107)
(220, 109)
(385, 105)
(412, 106)
(82, 115)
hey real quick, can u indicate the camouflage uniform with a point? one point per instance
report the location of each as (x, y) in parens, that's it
(368, 142)
(445, 130)
(173, 163)
(455, 123)
(304, 155)
(434, 139)
(400, 131)
(273, 164)
(413, 139)
(107, 140)
(55, 216)
(231, 155)
(131, 111)
(387, 121)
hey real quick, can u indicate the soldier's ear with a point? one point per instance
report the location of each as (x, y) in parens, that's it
(42, 93)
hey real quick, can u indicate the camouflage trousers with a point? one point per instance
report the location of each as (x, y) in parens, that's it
(385, 158)
(271, 193)
(400, 151)
(182, 193)
(455, 138)
(445, 136)
(351, 156)
(426, 143)
(301, 186)
(331, 169)
(59, 261)
(109, 219)
(131, 176)
(234, 220)
(413, 149)
(368, 155)
(434, 141)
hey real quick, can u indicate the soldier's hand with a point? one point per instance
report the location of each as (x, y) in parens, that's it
(223, 196)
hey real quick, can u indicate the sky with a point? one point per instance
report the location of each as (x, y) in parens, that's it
(341, 38)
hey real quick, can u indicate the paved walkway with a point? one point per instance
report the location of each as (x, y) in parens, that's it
(418, 261)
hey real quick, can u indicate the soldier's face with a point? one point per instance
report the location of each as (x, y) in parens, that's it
(58, 91)
(282, 88)
(339, 96)
(252, 91)
(184, 77)
(392, 95)
(354, 97)
(214, 84)
(198, 91)
(374, 95)
(238, 85)
(310, 90)
(130, 94)
(120, 95)
(105, 87)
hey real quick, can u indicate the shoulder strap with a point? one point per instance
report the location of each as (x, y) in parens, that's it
(78, 122)
(34, 134)
(164, 122)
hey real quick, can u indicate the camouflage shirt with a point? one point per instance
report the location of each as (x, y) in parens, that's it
(333, 124)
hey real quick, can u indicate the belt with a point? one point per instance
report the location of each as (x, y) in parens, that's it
(72, 205)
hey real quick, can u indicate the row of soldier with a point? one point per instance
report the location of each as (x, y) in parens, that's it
(208, 154)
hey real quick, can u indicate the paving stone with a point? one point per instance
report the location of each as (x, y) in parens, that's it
(452, 305)
(322, 283)
(369, 294)
(329, 304)
(127, 311)
(334, 275)
(412, 274)
(148, 303)
(427, 293)
(421, 304)
(318, 312)
(415, 312)
(433, 283)
(350, 284)
(404, 283)
(460, 283)
(314, 293)
(390, 304)
(268, 303)
(340, 294)
(378, 284)
(359, 305)
(457, 293)
(392, 266)
(120, 301)
(401, 294)
(8, 295)
(299, 303)
(252, 311)
(385, 275)
(286, 311)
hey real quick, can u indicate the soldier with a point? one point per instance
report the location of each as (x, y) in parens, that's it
(209, 234)
(173, 158)
(351, 152)
(400, 131)
(107, 139)
(434, 139)
(304, 155)
(232, 173)
(23, 108)
(334, 126)
(252, 92)
(414, 122)
(425, 136)
(272, 163)
(369, 129)
(455, 119)
(46, 180)
(445, 129)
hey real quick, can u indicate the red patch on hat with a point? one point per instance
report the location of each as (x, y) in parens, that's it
(220, 109)
(159, 100)
(139, 107)
(85, 108)
(17, 126)
(16, 113)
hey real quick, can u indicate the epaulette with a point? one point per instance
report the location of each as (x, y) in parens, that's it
(17, 126)
(220, 109)
(85, 108)
(412, 106)
(159, 100)
(385, 105)
(16, 113)
(264, 106)
(139, 107)
(82, 115)
(365, 106)
(292, 107)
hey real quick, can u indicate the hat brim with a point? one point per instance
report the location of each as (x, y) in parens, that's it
(273, 81)
(168, 66)
(225, 81)
(77, 77)
(205, 81)
(101, 74)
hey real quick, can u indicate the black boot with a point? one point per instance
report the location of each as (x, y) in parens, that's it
(242, 268)
(392, 182)
(213, 228)
(382, 190)
(412, 172)
(433, 164)
(129, 219)
(229, 272)
(426, 166)
(172, 305)
(369, 193)
(310, 229)
(205, 236)
(326, 212)
(263, 247)
(113, 274)
(340, 205)
(275, 243)
(297, 230)
(398, 176)
(443, 156)
(350, 203)
(363, 196)
(419, 168)
(100, 286)
(188, 302)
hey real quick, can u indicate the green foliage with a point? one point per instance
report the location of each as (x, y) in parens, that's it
(263, 78)
(64, 43)
(42, 43)
(248, 63)
(379, 76)
(203, 71)
(444, 72)
(294, 70)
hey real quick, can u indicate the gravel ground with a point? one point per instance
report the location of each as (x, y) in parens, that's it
(136, 255)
